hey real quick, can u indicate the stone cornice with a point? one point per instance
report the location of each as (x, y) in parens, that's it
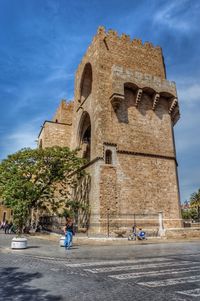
(142, 80)
(147, 155)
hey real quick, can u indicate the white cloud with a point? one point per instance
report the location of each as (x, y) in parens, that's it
(59, 74)
(23, 136)
(171, 17)
(190, 94)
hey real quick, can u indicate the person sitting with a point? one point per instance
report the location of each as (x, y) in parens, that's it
(141, 234)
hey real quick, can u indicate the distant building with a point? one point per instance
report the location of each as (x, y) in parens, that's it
(186, 206)
(5, 213)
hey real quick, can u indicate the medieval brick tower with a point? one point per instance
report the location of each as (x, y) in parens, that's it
(122, 118)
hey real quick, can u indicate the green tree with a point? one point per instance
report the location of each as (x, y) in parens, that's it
(38, 179)
(189, 214)
(195, 202)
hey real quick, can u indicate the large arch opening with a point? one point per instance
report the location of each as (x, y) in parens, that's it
(85, 136)
(130, 90)
(86, 82)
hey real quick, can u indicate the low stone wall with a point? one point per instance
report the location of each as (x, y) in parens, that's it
(183, 233)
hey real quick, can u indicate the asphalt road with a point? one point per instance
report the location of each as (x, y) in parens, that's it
(45, 271)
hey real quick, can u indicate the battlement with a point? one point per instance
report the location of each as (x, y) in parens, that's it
(109, 48)
(64, 112)
(112, 34)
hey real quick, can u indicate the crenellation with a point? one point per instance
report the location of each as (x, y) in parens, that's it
(112, 33)
(148, 45)
(125, 37)
(136, 42)
(101, 30)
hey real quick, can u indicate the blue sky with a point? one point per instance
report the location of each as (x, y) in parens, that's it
(43, 41)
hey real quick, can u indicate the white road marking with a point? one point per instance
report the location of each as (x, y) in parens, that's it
(154, 273)
(193, 293)
(113, 262)
(137, 267)
(168, 282)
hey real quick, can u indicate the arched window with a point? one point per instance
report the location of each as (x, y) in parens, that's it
(85, 135)
(86, 82)
(108, 157)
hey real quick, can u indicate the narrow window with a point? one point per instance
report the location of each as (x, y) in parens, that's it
(108, 157)
(40, 144)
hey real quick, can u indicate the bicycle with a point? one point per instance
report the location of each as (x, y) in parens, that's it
(132, 236)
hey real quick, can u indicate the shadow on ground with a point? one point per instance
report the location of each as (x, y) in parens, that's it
(15, 286)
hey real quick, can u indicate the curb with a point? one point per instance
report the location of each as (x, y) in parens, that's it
(103, 241)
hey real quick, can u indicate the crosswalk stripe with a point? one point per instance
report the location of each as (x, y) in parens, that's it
(193, 293)
(154, 273)
(168, 282)
(113, 262)
(136, 267)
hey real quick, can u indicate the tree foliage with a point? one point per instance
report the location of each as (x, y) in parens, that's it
(190, 213)
(191, 209)
(39, 179)
(195, 199)
(195, 203)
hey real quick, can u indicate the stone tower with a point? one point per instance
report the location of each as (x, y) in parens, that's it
(124, 111)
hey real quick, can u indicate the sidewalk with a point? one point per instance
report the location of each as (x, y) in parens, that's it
(112, 241)
(83, 249)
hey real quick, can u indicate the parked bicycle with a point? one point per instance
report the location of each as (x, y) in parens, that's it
(133, 235)
(140, 235)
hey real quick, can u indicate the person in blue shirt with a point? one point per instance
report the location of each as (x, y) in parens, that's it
(141, 234)
(69, 232)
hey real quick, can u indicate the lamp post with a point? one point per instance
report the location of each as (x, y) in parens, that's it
(108, 222)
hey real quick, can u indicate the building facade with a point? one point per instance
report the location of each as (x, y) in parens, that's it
(122, 119)
(6, 214)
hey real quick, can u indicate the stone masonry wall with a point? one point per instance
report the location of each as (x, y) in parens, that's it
(141, 129)
(58, 132)
(148, 185)
(64, 112)
(55, 134)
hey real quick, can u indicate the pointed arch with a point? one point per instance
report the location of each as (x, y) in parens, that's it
(86, 82)
(84, 135)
